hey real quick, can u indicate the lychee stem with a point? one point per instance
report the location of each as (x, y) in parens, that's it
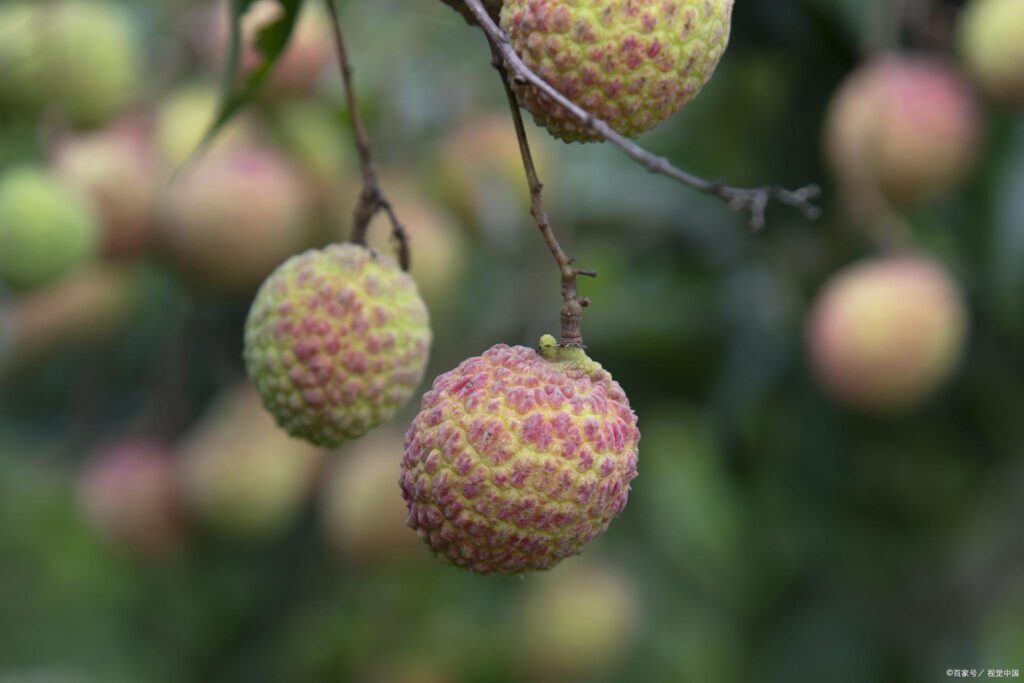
(572, 308)
(372, 199)
(753, 200)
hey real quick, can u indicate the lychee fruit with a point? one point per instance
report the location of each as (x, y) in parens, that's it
(118, 170)
(90, 306)
(230, 218)
(884, 334)
(577, 622)
(992, 48)
(47, 229)
(80, 58)
(244, 478)
(185, 117)
(362, 511)
(299, 68)
(336, 342)
(907, 125)
(632, 63)
(131, 495)
(518, 458)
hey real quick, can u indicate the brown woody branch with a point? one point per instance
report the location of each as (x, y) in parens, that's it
(371, 198)
(572, 303)
(754, 200)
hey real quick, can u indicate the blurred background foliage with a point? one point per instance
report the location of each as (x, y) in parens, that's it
(772, 534)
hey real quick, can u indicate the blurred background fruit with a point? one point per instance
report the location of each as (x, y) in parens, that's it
(990, 32)
(47, 228)
(243, 477)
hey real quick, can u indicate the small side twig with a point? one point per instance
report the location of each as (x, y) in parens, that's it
(371, 198)
(572, 303)
(754, 200)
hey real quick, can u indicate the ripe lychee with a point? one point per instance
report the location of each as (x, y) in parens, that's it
(518, 458)
(118, 170)
(336, 342)
(362, 511)
(576, 623)
(298, 70)
(632, 63)
(184, 118)
(907, 125)
(131, 494)
(884, 334)
(47, 229)
(244, 477)
(228, 220)
(80, 58)
(991, 45)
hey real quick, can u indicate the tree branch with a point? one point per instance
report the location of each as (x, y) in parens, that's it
(754, 200)
(371, 199)
(572, 303)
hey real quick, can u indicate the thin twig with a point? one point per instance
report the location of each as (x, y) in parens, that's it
(754, 200)
(572, 303)
(371, 199)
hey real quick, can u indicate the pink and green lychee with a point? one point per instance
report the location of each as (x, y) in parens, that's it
(518, 458)
(228, 220)
(336, 342)
(885, 334)
(47, 229)
(633, 63)
(993, 49)
(131, 495)
(906, 125)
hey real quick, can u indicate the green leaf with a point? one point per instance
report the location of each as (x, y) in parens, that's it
(271, 43)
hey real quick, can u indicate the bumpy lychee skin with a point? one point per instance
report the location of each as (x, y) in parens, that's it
(991, 45)
(518, 458)
(632, 63)
(908, 125)
(885, 334)
(336, 342)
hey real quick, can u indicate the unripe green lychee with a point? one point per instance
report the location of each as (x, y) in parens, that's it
(47, 229)
(183, 119)
(228, 220)
(244, 477)
(633, 63)
(991, 43)
(131, 494)
(117, 169)
(517, 459)
(908, 125)
(362, 511)
(80, 58)
(576, 623)
(336, 342)
(90, 306)
(884, 334)
(299, 68)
